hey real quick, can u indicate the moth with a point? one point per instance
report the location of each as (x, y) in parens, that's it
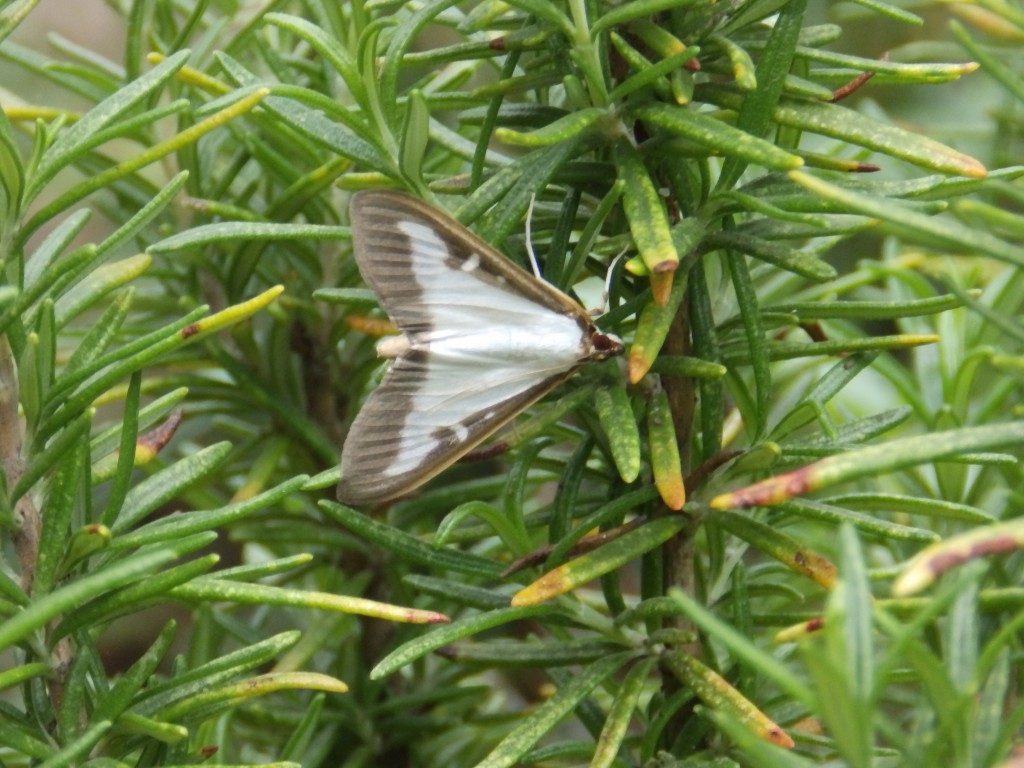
(481, 340)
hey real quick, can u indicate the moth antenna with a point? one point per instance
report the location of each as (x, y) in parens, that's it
(529, 239)
(608, 285)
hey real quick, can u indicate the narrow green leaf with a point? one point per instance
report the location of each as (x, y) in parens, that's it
(329, 47)
(261, 569)
(828, 386)
(557, 260)
(126, 452)
(620, 715)
(57, 276)
(150, 155)
(850, 433)
(743, 67)
(12, 173)
(756, 107)
(8, 296)
(743, 648)
(512, 535)
(781, 255)
(645, 212)
(991, 710)
(529, 653)
(43, 609)
(652, 329)
(872, 461)
(213, 589)
(245, 231)
(847, 661)
(864, 523)
(16, 675)
(133, 598)
(560, 130)
(185, 683)
(136, 354)
(793, 350)
(544, 719)
(12, 591)
(39, 363)
(588, 237)
(144, 216)
(407, 29)
(458, 592)
(355, 298)
(214, 699)
(690, 367)
(94, 287)
(962, 636)
(942, 233)
(717, 135)
(70, 722)
(606, 559)
(722, 697)
(756, 349)
(148, 416)
(608, 514)
(194, 521)
(15, 735)
(891, 503)
(127, 129)
(639, 63)
(568, 491)
(409, 547)
(619, 424)
(168, 483)
(869, 310)
(704, 332)
(666, 464)
(54, 244)
(103, 331)
(63, 495)
(58, 452)
(489, 121)
(77, 749)
(853, 127)
(438, 638)
(130, 724)
(652, 74)
(75, 138)
(619, 15)
(415, 135)
(784, 548)
(515, 185)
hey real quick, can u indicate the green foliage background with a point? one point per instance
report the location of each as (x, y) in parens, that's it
(178, 585)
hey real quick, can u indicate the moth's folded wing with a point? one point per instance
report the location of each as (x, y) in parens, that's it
(429, 271)
(425, 415)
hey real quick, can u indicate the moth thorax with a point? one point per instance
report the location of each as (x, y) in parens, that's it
(392, 347)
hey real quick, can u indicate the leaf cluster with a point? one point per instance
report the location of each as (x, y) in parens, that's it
(640, 579)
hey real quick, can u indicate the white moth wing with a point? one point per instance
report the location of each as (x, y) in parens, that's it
(484, 341)
(419, 421)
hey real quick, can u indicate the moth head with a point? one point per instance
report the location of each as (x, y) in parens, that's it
(605, 345)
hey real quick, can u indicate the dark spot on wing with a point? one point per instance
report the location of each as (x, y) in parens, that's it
(446, 437)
